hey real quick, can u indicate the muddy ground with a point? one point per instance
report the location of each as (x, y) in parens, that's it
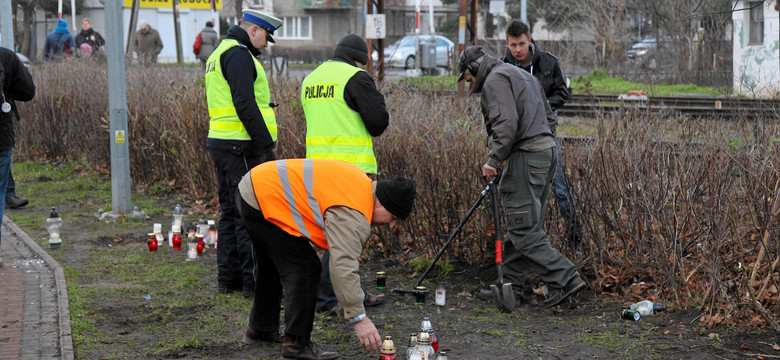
(588, 326)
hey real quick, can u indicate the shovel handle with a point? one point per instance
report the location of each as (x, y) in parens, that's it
(499, 257)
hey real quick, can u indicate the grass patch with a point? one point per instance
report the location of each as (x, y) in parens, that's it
(599, 82)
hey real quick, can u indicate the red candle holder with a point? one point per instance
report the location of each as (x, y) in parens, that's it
(201, 244)
(152, 242)
(176, 241)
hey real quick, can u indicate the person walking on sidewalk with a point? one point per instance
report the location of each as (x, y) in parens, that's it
(147, 44)
(17, 85)
(520, 142)
(287, 206)
(522, 51)
(242, 134)
(209, 42)
(344, 110)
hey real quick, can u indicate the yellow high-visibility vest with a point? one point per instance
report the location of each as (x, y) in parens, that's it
(223, 118)
(333, 130)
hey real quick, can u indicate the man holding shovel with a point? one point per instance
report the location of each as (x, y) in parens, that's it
(516, 117)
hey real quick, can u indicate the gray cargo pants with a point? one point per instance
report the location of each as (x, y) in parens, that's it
(525, 187)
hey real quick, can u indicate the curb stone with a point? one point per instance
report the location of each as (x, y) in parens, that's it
(65, 335)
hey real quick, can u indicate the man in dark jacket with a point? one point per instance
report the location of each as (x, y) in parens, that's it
(522, 52)
(340, 125)
(520, 140)
(242, 135)
(17, 84)
(89, 36)
(147, 43)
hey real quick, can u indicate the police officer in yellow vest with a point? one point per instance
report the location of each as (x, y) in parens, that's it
(242, 134)
(343, 111)
(290, 205)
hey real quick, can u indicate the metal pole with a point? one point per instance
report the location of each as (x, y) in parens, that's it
(6, 25)
(131, 31)
(177, 31)
(117, 107)
(73, 15)
(524, 11)
(461, 43)
(59, 9)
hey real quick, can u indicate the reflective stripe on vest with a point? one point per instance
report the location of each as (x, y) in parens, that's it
(333, 130)
(294, 194)
(224, 122)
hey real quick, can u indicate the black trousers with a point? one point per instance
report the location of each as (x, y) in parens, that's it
(234, 250)
(283, 262)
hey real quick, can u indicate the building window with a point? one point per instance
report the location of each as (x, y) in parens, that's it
(256, 3)
(295, 27)
(756, 26)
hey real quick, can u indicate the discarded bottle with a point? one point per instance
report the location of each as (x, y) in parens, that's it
(152, 242)
(426, 326)
(441, 294)
(420, 296)
(388, 349)
(412, 346)
(380, 280)
(647, 307)
(424, 346)
(629, 314)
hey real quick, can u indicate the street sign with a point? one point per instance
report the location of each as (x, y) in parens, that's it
(375, 26)
(497, 6)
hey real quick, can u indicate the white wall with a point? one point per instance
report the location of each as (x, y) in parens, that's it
(191, 22)
(756, 67)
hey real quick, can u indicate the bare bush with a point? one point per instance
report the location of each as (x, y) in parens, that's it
(674, 209)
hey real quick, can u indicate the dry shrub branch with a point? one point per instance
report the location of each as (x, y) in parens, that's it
(674, 209)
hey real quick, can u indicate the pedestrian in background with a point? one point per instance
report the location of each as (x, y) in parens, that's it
(337, 214)
(522, 51)
(147, 44)
(17, 84)
(90, 37)
(209, 41)
(521, 143)
(242, 135)
(59, 43)
(344, 110)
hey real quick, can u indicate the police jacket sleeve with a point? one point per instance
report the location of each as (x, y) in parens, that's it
(347, 230)
(560, 95)
(240, 73)
(362, 96)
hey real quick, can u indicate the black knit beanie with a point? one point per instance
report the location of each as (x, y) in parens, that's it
(352, 47)
(397, 195)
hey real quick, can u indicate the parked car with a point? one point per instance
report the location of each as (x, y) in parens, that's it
(25, 61)
(402, 52)
(643, 48)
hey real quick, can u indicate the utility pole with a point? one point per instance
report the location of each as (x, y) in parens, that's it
(117, 107)
(177, 31)
(6, 25)
(376, 44)
(131, 32)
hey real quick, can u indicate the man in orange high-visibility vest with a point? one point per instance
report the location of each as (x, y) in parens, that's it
(288, 204)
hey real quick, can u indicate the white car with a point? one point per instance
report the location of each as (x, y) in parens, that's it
(402, 52)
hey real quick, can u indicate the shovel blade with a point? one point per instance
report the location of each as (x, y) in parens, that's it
(504, 297)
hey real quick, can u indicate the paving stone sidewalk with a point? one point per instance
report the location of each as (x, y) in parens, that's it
(34, 316)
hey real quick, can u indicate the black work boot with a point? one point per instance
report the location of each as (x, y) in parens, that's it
(14, 202)
(309, 352)
(559, 294)
(252, 337)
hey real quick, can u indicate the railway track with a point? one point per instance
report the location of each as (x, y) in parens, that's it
(697, 106)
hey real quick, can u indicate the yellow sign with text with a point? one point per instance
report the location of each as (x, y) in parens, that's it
(184, 4)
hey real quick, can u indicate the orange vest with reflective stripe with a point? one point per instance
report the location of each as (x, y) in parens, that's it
(293, 194)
